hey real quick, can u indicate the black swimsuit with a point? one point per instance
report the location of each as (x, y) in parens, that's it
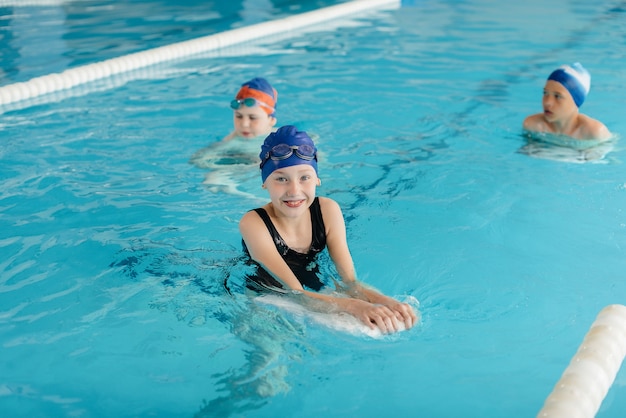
(304, 266)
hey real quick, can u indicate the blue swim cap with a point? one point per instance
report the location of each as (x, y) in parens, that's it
(260, 89)
(287, 135)
(575, 79)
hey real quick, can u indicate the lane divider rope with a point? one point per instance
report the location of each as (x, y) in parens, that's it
(88, 73)
(589, 376)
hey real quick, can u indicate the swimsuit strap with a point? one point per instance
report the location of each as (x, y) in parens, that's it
(318, 239)
(281, 245)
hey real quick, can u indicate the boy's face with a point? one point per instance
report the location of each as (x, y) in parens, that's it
(252, 122)
(558, 103)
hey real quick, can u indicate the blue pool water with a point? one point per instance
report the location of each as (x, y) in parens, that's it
(114, 254)
(44, 36)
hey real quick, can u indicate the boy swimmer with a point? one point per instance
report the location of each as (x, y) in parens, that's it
(564, 92)
(285, 236)
(233, 160)
(254, 110)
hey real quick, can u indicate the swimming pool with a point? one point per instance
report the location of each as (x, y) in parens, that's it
(79, 32)
(114, 253)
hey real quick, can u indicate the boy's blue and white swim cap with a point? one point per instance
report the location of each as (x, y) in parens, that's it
(575, 79)
(290, 136)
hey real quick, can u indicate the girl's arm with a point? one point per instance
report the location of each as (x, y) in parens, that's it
(339, 252)
(262, 250)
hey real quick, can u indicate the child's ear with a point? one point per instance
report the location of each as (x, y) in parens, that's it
(319, 181)
(272, 121)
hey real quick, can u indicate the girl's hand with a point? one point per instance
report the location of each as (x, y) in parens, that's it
(404, 313)
(378, 316)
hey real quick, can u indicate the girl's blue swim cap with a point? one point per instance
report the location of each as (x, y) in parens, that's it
(286, 147)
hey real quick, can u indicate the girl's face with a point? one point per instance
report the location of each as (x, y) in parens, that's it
(558, 103)
(252, 122)
(292, 189)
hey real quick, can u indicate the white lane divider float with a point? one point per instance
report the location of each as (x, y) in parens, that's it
(73, 77)
(586, 381)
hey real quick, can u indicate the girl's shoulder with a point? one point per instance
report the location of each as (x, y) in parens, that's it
(326, 202)
(330, 209)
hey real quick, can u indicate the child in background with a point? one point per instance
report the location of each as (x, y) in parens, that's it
(254, 110)
(233, 160)
(563, 94)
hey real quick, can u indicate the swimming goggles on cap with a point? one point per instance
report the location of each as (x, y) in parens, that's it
(283, 151)
(250, 102)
